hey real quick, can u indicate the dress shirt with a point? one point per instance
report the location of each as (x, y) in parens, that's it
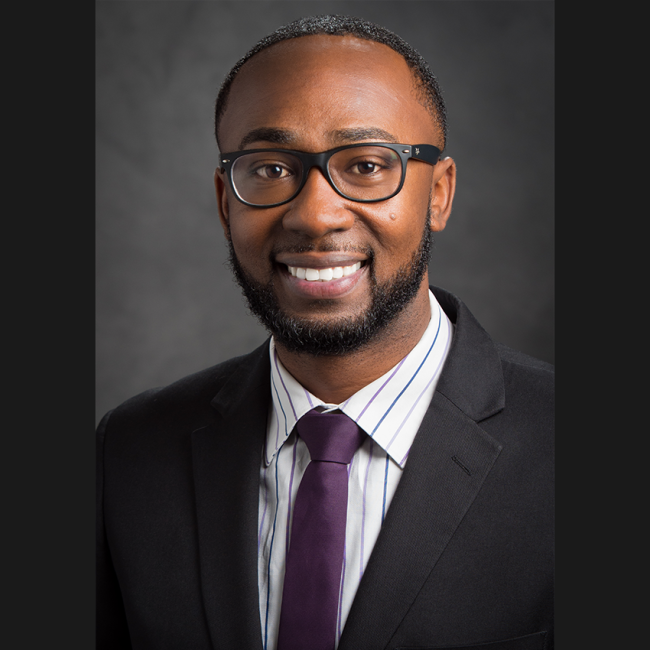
(390, 410)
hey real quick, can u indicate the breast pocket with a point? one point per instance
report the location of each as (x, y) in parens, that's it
(528, 642)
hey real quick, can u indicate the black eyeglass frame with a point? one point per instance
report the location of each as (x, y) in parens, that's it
(425, 152)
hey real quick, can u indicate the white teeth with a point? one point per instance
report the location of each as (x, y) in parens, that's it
(323, 275)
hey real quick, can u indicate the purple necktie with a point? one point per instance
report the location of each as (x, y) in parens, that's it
(315, 558)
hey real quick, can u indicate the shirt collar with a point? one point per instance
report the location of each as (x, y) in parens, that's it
(383, 408)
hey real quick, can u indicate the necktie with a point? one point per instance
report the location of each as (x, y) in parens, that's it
(315, 558)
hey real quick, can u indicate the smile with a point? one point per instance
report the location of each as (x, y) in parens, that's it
(323, 275)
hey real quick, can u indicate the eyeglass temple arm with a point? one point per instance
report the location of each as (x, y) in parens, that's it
(426, 152)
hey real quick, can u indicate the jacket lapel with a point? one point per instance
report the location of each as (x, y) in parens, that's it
(226, 459)
(448, 462)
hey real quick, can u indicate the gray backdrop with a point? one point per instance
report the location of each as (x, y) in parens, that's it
(166, 305)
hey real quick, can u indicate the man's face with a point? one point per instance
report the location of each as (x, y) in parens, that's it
(313, 94)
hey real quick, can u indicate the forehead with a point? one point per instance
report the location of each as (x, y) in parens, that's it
(314, 88)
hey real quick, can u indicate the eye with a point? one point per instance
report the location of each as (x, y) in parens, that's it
(366, 167)
(272, 171)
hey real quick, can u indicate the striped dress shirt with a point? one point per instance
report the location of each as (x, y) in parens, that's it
(390, 410)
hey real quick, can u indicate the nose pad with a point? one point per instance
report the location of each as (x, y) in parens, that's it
(318, 209)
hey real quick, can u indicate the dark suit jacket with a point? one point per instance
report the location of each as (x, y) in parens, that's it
(465, 556)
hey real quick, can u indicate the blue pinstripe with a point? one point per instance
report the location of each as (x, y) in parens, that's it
(268, 582)
(409, 381)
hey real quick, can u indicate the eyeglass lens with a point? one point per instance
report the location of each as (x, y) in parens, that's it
(362, 173)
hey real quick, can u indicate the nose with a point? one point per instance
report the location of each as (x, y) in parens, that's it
(318, 209)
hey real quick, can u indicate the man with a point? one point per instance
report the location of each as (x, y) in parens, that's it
(220, 523)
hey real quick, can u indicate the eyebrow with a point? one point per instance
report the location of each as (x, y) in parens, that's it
(356, 134)
(268, 134)
(339, 136)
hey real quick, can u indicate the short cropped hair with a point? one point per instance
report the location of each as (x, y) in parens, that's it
(335, 25)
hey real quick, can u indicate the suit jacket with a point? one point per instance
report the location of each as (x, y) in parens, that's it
(465, 555)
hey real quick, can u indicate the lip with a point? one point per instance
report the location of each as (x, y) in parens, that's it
(332, 289)
(314, 260)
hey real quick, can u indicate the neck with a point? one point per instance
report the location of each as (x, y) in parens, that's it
(334, 379)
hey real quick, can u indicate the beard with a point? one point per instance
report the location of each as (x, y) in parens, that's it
(346, 334)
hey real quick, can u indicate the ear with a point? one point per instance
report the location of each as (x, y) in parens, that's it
(442, 193)
(222, 201)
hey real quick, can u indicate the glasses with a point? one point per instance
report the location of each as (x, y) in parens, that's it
(365, 172)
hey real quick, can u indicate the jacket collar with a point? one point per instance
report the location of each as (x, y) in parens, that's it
(250, 377)
(472, 378)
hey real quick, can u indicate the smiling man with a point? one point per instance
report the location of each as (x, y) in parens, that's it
(379, 473)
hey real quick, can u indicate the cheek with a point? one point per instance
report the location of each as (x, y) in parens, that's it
(399, 227)
(250, 232)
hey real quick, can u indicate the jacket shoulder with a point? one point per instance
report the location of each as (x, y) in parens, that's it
(528, 382)
(525, 361)
(529, 405)
(189, 396)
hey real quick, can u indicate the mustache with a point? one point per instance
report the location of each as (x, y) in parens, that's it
(323, 247)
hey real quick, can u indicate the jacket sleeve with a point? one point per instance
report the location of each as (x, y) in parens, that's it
(112, 631)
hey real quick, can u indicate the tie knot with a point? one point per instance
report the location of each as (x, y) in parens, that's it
(332, 437)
